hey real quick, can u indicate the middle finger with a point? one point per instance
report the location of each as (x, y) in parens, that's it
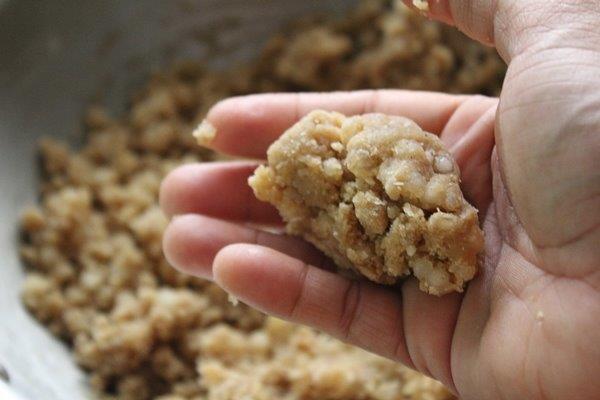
(191, 243)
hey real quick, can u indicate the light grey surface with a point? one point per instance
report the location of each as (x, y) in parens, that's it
(55, 58)
(6, 393)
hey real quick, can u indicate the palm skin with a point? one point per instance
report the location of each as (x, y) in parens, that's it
(528, 326)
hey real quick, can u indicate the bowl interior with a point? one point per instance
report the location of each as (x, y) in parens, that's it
(55, 59)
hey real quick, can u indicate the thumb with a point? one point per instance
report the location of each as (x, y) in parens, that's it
(474, 18)
(547, 121)
(512, 26)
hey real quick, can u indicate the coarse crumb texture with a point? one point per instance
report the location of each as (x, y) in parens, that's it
(96, 275)
(249, 365)
(378, 195)
(205, 133)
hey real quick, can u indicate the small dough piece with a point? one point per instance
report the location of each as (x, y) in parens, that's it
(205, 133)
(378, 195)
(421, 5)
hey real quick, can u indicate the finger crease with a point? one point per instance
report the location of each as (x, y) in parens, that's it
(400, 349)
(405, 335)
(350, 305)
(302, 288)
(297, 106)
(248, 205)
(444, 118)
(371, 101)
(256, 239)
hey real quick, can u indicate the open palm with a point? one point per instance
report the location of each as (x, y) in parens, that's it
(528, 326)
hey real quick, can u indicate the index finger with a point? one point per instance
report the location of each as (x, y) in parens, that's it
(247, 125)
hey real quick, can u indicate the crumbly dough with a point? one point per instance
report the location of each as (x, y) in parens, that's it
(382, 45)
(205, 133)
(96, 275)
(378, 195)
(249, 365)
(422, 5)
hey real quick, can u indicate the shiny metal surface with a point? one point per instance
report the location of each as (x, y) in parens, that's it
(55, 58)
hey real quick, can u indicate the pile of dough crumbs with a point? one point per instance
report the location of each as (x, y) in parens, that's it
(96, 275)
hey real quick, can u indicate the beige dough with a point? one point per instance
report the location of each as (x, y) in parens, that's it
(378, 195)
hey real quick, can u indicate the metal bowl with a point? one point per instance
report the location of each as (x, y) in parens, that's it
(55, 58)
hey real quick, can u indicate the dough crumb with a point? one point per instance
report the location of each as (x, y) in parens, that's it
(233, 300)
(539, 316)
(257, 365)
(205, 133)
(378, 195)
(421, 5)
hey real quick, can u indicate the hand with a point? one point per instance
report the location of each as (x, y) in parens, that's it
(528, 326)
